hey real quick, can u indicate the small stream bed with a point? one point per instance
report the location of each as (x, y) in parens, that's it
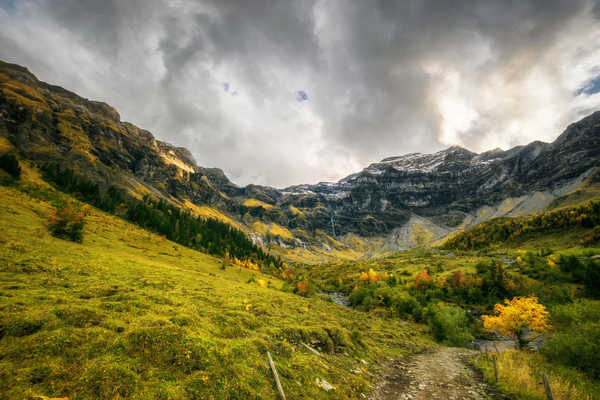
(338, 298)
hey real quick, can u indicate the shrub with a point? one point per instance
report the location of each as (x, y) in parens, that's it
(572, 266)
(67, 222)
(449, 325)
(423, 280)
(568, 315)
(405, 306)
(578, 347)
(587, 273)
(578, 341)
(496, 282)
(370, 277)
(362, 296)
(10, 164)
(304, 288)
(551, 294)
(592, 279)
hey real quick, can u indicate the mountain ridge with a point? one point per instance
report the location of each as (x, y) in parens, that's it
(398, 202)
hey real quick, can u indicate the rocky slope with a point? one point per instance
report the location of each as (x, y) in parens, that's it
(396, 203)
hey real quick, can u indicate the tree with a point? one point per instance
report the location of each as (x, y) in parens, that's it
(67, 222)
(170, 222)
(422, 280)
(511, 318)
(373, 276)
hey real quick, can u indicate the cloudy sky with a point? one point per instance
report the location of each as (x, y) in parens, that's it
(301, 91)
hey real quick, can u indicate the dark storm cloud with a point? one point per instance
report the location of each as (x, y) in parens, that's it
(225, 77)
(387, 46)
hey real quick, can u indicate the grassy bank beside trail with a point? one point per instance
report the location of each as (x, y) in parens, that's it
(520, 376)
(128, 314)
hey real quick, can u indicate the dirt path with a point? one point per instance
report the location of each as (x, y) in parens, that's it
(435, 374)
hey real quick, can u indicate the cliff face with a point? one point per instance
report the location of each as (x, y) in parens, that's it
(395, 200)
(449, 185)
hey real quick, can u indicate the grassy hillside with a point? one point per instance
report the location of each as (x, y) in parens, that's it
(580, 222)
(588, 190)
(128, 314)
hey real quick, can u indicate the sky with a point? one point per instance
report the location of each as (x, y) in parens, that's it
(301, 91)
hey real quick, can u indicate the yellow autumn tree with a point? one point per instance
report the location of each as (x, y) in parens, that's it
(520, 312)
(370, 276)
(373, 277)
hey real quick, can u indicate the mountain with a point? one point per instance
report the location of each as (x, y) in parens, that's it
(396, 203)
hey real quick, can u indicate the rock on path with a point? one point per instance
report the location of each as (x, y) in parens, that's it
(435, 374)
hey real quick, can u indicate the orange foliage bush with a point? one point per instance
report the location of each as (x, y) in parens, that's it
(303, 288)
(423, 280)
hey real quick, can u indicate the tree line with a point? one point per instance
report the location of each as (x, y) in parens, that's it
(178, 225)
(501, 229)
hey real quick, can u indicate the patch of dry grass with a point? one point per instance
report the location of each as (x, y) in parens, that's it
(520, 375)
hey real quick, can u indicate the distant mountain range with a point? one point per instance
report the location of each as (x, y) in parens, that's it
(396, 203)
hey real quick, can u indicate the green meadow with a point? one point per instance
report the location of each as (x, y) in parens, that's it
(128, 314)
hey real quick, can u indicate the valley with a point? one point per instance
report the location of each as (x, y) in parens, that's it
(128, 314)
(396, 204)
(128, 271)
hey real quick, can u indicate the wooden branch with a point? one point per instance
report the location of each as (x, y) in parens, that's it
(310, 348)
(547, 387)
(495, 367)
(277, 382)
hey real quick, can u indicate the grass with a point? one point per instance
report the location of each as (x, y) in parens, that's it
(520, 377)
(278, 230)
(21, 93)
(420, 235)
(210, 212)
(405, 263)
(314, 256)
(295, 211)
(272, 229)
(253, 203)
(127, 314)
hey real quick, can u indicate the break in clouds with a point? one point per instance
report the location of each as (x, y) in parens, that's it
(288, 92)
